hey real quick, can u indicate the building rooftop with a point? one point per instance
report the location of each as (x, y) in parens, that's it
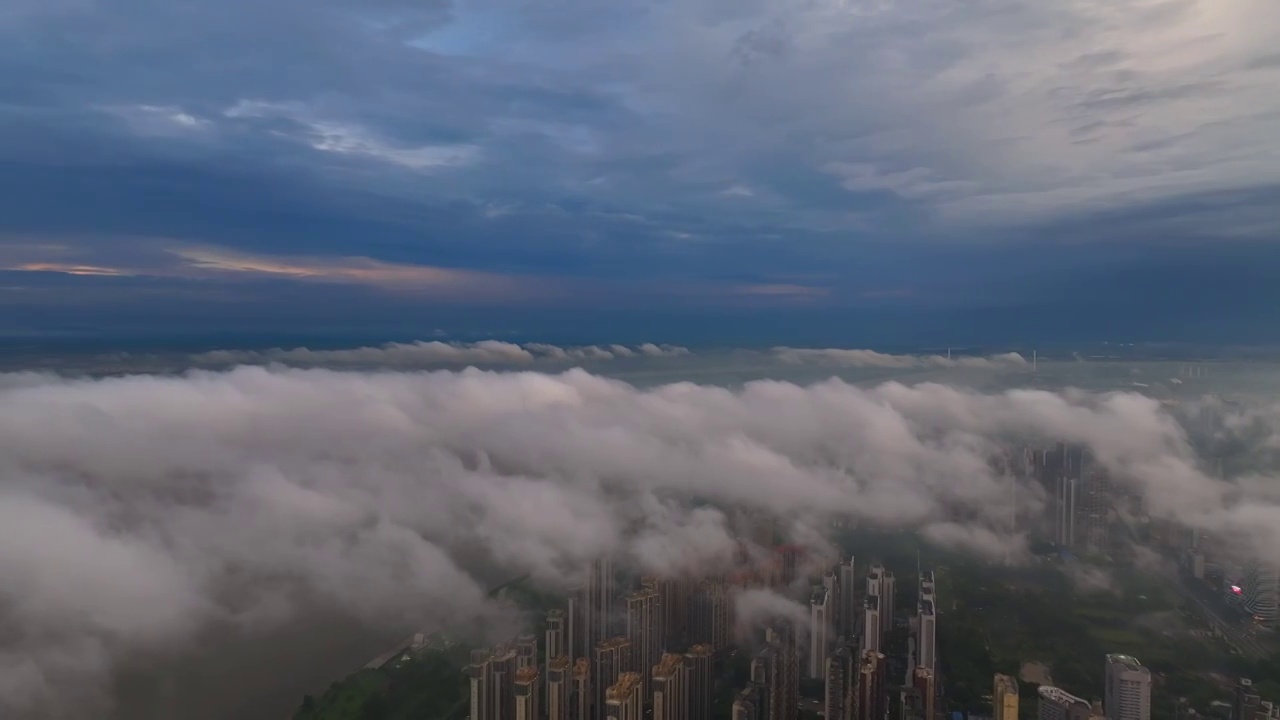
(527, 674)
(700, 649)
(1128, 661)
(627, 683)
(1060, 696)
(818, 596)
(668, 665)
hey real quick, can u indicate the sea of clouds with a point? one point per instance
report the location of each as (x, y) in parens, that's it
(141, 512)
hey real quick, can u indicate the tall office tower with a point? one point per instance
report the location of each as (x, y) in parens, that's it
(923, 681)
(480, 671)
(598, 603)
(582, 695)
(527, 651)
(765, 674)
(503, 669)
(642, 634)
(747, 704)
(819, 631)
(613, 657)
(670, 692)
(887, 589)
(711, 622)
(875, 576)
(559, 688)
(623, 700)
(556, 638)
(1128, 689)
(1058, 704)
(527, 703)
(871, 623)
(1261, 591)
(699, 685)
(872, 702)
(848, 598)
(927, 633)
(1004, 698)
(840, 669)
(785, 696)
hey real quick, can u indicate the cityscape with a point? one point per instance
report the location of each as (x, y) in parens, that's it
(866, 647)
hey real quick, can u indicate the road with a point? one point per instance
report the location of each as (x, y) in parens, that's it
(1239, 633)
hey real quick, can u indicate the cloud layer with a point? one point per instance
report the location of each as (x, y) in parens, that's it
(148, 510)
(435, 352)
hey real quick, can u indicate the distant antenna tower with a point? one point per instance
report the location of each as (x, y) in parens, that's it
(1034, 361)
(948, 353)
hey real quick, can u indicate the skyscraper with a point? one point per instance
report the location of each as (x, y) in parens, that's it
(503, 669)
(1128, 689)
(623, 700)
(747, 705)
(784, 690)
(582, 696)
(711, 615)
(819, 631)
(480, 672)
(613, 657)
(598, 603)
(848, 614)
(1004, 698)
(526, 651)
(1058, 704)
(887, 589)
(698, 664)
(871, 624)
(927, 623)
(871, 698)
(840, 671)
(670, 691)
(559, 688)
(575, 631)
(556, 637)
(642, 634)
(525, 692)
(922, 680)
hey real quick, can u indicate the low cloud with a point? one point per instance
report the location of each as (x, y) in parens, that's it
(427, 353)
(148, 510)
(839, 357)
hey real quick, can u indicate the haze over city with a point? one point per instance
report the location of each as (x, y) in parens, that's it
(855, 359)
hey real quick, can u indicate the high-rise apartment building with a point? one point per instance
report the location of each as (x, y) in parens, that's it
(612, 658)
(871, 623)
(526, 651)
(559, 688)
(575, 625)
(872, 701)
(747, 705)
(556, 643)
(849, 608)
(526, 695)
(1004, 698)
(923, 681)
(711, 609)
(698, 674)
(642, 634)
(582, 696)
(784, 690)
(670, 688)
(623, 700)
(598, 620)
(480, 672)
(887, 590)
(838, 695)
(927, 633)
(1127, 689)
(819, 631)
(1058, 704)
(503, 669)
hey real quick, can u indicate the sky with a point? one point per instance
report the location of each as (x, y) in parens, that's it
(908, 171)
